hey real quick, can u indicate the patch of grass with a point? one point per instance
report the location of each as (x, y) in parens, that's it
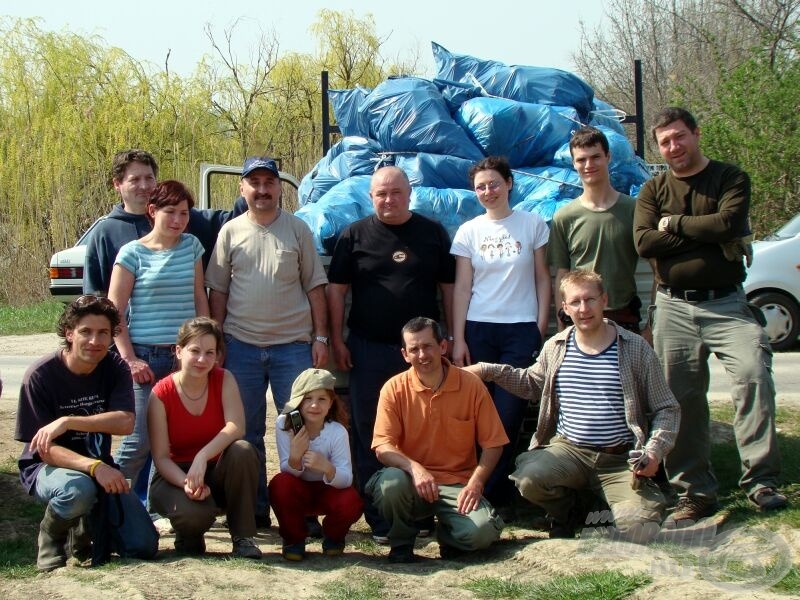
(33, 318)
(18, 558)
(725, 458)
(353, 587)
(367, 545)
(790, 584)
(598, 585)
(246, 564)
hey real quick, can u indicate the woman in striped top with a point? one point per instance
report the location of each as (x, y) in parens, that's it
(157, 282)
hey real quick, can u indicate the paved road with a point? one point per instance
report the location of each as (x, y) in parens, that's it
(786, 367)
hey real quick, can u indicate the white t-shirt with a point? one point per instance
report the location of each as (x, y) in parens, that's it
(504, 273)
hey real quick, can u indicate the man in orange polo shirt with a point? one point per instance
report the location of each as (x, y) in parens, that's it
(429, 420)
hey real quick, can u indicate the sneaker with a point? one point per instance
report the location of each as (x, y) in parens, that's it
(263, 521)
(402, 554)
(331, 548)
(294, 552)
(768, 498)
(383, 540)
(690, 509)
(163, 526)
(245, 547)
(313, 527)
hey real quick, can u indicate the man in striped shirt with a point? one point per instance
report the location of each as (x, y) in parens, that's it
(603, 400)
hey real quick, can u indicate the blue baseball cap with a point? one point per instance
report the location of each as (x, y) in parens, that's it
(259, 162)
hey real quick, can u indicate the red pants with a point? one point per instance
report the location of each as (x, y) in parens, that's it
(293, 499)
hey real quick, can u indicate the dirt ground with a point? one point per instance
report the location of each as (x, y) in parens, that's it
(704, 562)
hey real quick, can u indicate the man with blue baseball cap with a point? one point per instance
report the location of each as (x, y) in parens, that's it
(268, 292)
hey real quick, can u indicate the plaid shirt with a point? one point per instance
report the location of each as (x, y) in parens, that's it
(651, 410)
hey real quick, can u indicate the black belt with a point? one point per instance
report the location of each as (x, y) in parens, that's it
(698, 295)
(621, 449)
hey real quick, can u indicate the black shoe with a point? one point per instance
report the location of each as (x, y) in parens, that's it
(768, 498)
(263, 521)
(402, 554)
(559, 530)
(426, 527)
(450, 552)
(313, 528)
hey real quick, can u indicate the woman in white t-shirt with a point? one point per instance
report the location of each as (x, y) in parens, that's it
(502, 296)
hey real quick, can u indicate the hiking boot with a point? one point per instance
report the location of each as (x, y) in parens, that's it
(447, 552)
(768, 498)
(402, 554)
(294, 552)
(690, 509)
(53, 534)
(245, 547)
(331, 548)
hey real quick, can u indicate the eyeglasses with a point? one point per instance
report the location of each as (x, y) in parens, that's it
(591, 302)
(87, 299)
(492, 186)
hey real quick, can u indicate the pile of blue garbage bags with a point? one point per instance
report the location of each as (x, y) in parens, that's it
(436, 129)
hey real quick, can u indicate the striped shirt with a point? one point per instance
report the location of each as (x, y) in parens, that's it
(592, 408)
(163, 290)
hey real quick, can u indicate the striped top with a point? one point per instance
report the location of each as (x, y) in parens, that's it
(163, 288)
(592, 407)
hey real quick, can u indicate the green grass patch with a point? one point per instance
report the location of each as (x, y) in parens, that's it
(358, 586)
(33, 318)
(18, 558)
(598, 585)
(790, 584)
(725, 458)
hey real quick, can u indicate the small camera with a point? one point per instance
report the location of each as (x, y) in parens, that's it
(296, 419)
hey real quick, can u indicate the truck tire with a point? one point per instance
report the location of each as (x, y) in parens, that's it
(783, 318)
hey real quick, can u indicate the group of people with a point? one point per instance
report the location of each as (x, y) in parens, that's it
(433, 445)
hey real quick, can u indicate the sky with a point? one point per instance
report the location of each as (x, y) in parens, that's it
(536, 32)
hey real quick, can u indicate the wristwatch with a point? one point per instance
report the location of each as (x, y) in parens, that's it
(321, 338)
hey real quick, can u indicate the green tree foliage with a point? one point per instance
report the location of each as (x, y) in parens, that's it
(68, 103)
(755, 123)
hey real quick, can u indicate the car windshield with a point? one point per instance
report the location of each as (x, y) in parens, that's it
(789, 230)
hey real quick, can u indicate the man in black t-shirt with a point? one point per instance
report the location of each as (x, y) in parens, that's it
(394, 261)
(70, 404)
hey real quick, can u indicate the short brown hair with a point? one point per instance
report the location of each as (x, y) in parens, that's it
(197, 327)
(169, 193)
(669, 115)
(88, 304)
(124, 158)
(581, 277)
(586, 137)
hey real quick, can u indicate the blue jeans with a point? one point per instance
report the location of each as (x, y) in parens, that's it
(684, 334)
(72, 494)
(515, 344)
(374, 364)
(134, 450)
(256, 368)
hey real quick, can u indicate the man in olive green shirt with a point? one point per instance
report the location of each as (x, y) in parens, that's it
(595, 231)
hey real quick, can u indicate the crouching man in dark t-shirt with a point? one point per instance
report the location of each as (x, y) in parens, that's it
(70, 404)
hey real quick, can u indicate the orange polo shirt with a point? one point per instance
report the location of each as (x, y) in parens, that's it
(439, 430)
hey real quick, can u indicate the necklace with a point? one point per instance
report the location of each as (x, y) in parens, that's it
(441, 380)
(185, 393)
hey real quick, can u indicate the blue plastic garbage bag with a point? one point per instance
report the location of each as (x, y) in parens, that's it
(409, 114)
(533, 185)
(526, 134)
(350, 156)
(606, 115)
(537, 85)
(435, 170)
(455, 93)
(451, 207)
(346, 202)
(544, 207)
(345, 105)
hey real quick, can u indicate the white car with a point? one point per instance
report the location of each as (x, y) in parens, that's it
(773, 283)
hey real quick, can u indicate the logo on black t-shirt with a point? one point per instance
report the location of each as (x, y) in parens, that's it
(399, 256)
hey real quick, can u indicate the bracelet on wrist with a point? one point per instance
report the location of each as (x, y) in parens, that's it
(94, 466)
